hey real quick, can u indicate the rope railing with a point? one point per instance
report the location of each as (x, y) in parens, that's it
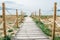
(9, 12)
(52, 22)
(5, 23)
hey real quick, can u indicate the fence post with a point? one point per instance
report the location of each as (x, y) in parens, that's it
(54, 23)
(21, 16)
(4, 21)
(17, 17)
(32, 14)
(35, 13)
(39, 14)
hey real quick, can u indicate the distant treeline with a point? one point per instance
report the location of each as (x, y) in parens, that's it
(48, 16)
(0, 16)
(13, 15)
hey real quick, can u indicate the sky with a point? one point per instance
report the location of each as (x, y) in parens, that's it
(35, 5)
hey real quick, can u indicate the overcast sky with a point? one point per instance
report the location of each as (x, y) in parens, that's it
(34, 5)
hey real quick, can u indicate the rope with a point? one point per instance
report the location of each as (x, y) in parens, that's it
(8, 12)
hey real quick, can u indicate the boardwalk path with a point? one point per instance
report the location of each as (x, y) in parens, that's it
(29, 31)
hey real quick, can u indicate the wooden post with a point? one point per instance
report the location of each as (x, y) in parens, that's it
(35, 14)
(4, 21)
(39, 14)
(17, 17)
(54, 23)
(21, 16)
(32, 14)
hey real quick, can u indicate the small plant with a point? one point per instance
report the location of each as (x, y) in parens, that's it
(57, 38)
(0, 16)
(25, 15)
(15, 27)
(10, 30)
(43, 27)
(7, 38)
(10, 23)
(36, 21)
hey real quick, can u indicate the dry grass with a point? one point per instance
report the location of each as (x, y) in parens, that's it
(10, 24)
(47, 20)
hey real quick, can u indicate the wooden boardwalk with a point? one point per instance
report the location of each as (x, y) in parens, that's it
(29, 31)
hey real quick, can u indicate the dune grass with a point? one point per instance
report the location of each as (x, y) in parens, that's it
(45, 29)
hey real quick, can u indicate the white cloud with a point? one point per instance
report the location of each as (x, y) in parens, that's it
(17, 1)
(36, 4)
(33, 5)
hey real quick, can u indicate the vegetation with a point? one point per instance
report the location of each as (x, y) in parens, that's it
(46, 16)
(25, 15)
(43, 28)
(10, 30)
(0, 16)
(57, 38)
(6, 38)
(11, 26)
(15, 27)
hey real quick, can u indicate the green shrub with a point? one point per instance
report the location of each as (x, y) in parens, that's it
(10, 30)
(25, 15)
(15, 27)
(7, 38)
(43, 27)
(10, 23)
(0, 16)
(57, 38)
(36, 22)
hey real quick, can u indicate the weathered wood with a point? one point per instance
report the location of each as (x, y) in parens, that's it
(54, 23)
(17, 17)
(35, 14)
(39, 14)
(32, 14)
(21, 15)
(4, 21)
